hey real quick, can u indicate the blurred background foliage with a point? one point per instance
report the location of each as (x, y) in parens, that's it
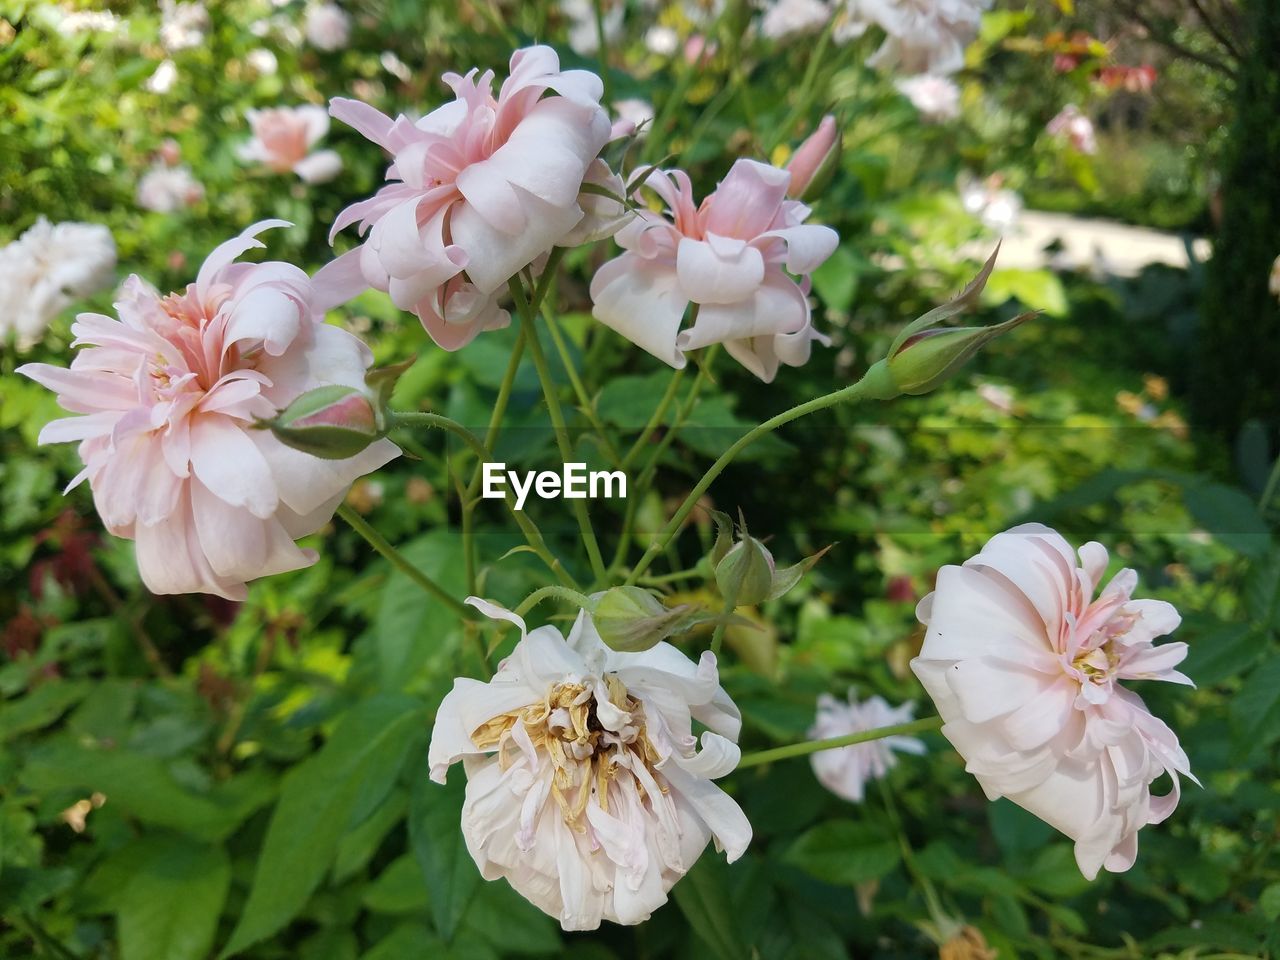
(181, 772)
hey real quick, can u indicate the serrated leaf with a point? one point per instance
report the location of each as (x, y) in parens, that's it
(1255, 710)
(317, 801)
(435, 837)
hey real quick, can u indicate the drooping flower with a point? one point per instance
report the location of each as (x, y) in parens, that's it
(935, 98)
(734, 256)
(1073, 125)
(922, 36)
(327, 26)
(168, 395)
(586, 789)
(47, 269)
(1025, 668)
(783, 18)
(167, 189)
(283, 138)
(479, 189)
(845, 771)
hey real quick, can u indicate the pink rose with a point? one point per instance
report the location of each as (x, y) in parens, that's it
(479, 189)
(283, 138)
(736, 256)
(1025, 668)
(169, 394)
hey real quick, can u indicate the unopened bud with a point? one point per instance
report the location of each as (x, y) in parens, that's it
(332, 422)
(925, 353)
(925, 360)
(630, 619)
(814, 162)
(746, 572)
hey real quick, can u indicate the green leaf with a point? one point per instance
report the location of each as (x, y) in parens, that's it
(144, 787)
(1225, 650)
(408, 623)
(1037, 289)
(1055, 873)
(40, 707)
(844, 853)
(1230, 515)
(358, 847)
(398, 889)
(510, 922)
(317, 801)
(435, 837)
(1255, 710)
(172, 895)
(703, 898)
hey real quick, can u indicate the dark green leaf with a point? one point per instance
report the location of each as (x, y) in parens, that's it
(845, 853)
(435, 836)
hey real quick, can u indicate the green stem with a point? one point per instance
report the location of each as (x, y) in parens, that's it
(655, 421)
(813, 746)
(806, 88)
(414, 418)
(730, 605)
(398, 560)
(535, 598)
(584, 402)
(602, 54)
(557, 420)
(504, 396)
(876, 384)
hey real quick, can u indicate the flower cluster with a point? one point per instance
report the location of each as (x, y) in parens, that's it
(921, 36)
(47, 269)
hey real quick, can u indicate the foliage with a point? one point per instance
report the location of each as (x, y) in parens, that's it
(182, 778)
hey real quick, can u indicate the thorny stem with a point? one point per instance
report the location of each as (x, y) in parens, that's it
(876, 384)
(813, 746)
(400, 562)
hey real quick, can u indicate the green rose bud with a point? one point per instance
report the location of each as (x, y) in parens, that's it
(630, 619)
(332, 423)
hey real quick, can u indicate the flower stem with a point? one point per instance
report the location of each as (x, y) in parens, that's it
(414, 418)
(876, 384)
(730, 605)
(584, 401)
(813, 746)
(655, 421)
(399, 561)
(543, 593)
(527, 319)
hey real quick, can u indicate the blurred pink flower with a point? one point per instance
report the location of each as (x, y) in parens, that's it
(169, 394)
(1025, 668)
(922, 36)
(327, 26)
(845, 771)
(480, 185)
(586, 787)
(733, 256)
(935, 98)
(283, 138)
(1076, 127)
(167, 189)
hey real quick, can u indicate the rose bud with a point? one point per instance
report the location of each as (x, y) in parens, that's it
(631, 620)
(332, 422)
(815, 161)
